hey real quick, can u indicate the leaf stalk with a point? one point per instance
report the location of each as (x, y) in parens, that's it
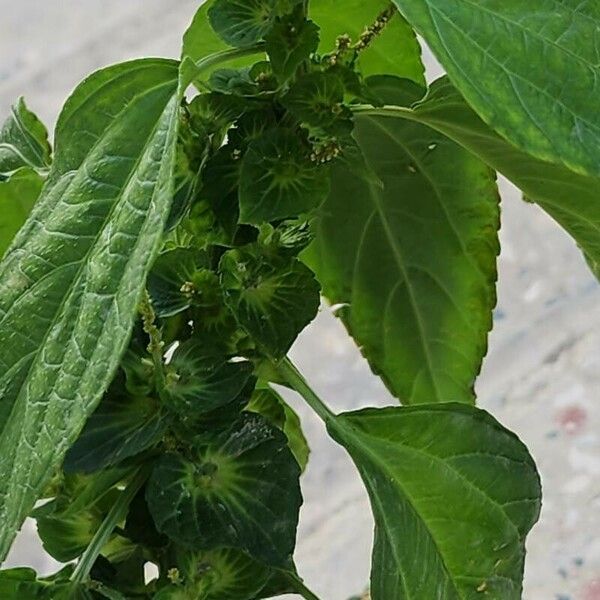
(226, 55)
(116, 514)
(297, 382)
(384, 111)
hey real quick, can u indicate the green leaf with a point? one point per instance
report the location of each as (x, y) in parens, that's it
(22, 584)
(272, 300)
(126, 575)
(396, 51)
(106, 592)
(67, 524)
(213, 113)
(172, 280)
(220, 185)
(201, 41)
(268, 403)
(244, 81)
(571, 199)
(242, 22)
(66, 536)
(240, 491)
(16, 584)
(414, 261)
(17, 197)
(69, 287)
(200, 382)
(316, 99)
(451, 489)
(278, 180)
(23, 142)
(223, 574)
(290, 42)
(529, 69)
(121, 427)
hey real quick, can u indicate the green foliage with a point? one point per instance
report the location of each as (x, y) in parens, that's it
(273, 300)
(290, 41)
(225, 491)
(395, 51)
(568, 197)
(25, 157)
(242, 22)
(159, 268)
(278, 179)
(122, 426)
(224, 574)
(273, 407)
(23, 142)
(546, 111)
(421, 318)
(103, 209)
(462, 489)
(17, 197)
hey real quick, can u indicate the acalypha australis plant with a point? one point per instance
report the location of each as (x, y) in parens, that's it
(161, 259)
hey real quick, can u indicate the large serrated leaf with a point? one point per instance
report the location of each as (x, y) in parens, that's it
(414, 260)
(453, 494)
(529, 68)
(71, 280)
(571, 199)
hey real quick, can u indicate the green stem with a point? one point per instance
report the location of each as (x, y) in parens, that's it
(116, 514)
(301, 589)
(297, 382)
(384, 111)
(226, 55)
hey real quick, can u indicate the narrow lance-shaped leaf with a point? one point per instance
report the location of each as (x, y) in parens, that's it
(573, 200)
(71, 281)
(530, 69)
(453, 494)
(414, 261)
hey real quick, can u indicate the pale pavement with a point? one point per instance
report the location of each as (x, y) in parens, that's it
(541, 378)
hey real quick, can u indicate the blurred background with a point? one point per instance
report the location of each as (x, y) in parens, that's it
(541, 377)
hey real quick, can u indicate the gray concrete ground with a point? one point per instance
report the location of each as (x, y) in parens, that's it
(541, 377)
